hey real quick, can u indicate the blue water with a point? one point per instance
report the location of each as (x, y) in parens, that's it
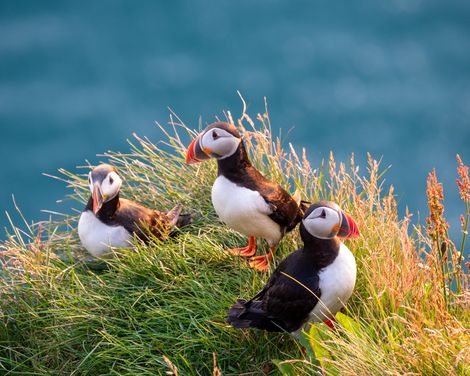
(389, 77)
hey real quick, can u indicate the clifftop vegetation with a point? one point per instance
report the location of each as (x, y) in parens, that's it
(160, 309)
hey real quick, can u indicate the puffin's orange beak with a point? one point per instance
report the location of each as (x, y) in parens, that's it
(195, 154)
(190, 156)
(97, 199)
(348, 228)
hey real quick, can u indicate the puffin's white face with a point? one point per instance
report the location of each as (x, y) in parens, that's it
(323, 222)
(104, 184)
(109, 187)
(218, 143)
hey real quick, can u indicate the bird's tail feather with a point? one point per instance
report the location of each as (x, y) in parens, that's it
(297, 196)
(176, 219)
(250, 314)
(303, 205)
(184, 220)
(173, 215)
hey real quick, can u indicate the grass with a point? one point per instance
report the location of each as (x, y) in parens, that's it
(160, 309)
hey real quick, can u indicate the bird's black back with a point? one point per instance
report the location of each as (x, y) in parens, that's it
(291, 292)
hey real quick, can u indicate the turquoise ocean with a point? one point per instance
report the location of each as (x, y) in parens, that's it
(77, 78)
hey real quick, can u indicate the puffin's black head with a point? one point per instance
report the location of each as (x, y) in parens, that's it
(219, 140)
(325, 220)
(104, 183)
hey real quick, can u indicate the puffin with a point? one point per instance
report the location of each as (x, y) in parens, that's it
(109, 221)
(312, 283)
(242, 197)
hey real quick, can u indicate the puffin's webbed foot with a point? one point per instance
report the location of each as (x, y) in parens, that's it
(261, 263)
(247, 251)
(330, 323)
(242, 252)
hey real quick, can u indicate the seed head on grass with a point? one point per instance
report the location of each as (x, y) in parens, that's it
(464, 181)
(437, 224)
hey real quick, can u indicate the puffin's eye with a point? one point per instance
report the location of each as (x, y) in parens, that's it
(215, 136)
(111, 180)
(323, 214)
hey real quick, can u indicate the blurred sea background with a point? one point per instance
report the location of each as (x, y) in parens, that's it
(387, 77)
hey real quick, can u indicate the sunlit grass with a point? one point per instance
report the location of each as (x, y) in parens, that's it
(160, 309)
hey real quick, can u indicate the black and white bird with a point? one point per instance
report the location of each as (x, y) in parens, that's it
(309, 285)
(242, 197)
(109, 221)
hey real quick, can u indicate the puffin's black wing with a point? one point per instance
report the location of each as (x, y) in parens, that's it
(285, 211)
(284, 304)
(141, 220)
(294, 292)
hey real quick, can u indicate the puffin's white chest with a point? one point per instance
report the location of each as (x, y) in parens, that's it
(97, 237)
(336, 285)
(244, 210)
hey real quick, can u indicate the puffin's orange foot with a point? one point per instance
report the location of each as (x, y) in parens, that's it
(260, 263)
(330, 323)
(247, 251)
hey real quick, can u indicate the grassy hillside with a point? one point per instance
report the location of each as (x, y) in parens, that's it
(160, 309)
